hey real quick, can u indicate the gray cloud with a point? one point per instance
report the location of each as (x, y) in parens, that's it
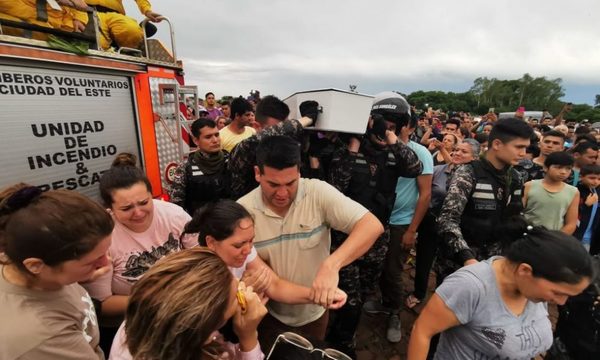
(280, 47)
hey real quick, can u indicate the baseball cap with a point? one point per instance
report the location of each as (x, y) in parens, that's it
(202, 109)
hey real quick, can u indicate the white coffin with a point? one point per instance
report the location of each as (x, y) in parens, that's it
(343, 111)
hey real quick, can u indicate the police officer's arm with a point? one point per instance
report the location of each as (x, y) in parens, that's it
(408, 164)
(340, 169)
(177, 190)
(241, 168)
(292, 128)
(459, 191)
(242, 159)
(571, 217)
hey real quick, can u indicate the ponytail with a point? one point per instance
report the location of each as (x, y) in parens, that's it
(123, 174)
(54, 226)
(553, 255)
(217, 219)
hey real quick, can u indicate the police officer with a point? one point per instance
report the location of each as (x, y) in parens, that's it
(367, 171)
(480, 195)
(321, 147)
(203, 177)
(271, 120)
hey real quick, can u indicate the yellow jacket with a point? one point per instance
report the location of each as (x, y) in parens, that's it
(117, 5)
(57, 19)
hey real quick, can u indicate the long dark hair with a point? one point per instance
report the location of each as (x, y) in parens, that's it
(218, 219)
(553, 255)
(54, 226)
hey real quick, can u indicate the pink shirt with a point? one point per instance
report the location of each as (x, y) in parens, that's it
(133, 253)
(119, 350)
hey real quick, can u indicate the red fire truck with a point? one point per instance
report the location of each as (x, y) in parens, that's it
(64, 117)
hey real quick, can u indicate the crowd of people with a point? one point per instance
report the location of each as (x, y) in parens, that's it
(273, 226)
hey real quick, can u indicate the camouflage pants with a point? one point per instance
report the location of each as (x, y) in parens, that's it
(360, 279)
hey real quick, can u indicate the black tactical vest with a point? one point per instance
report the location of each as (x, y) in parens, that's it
(373, 183)
(489, 203)
(202, 188)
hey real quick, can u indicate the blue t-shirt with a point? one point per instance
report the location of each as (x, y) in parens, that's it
(407, 191)
(587, 236)
(488, 329)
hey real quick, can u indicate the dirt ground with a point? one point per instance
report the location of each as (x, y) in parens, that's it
(371, 342)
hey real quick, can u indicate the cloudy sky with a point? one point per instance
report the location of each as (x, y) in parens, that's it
(281, 46)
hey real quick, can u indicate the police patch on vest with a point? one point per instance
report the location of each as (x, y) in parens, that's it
(485, 205)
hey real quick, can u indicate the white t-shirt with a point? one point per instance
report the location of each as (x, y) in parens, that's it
(238, 272)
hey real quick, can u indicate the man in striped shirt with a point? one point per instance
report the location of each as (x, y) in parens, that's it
(292, 221)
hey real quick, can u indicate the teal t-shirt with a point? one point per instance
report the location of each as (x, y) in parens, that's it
(407, 191)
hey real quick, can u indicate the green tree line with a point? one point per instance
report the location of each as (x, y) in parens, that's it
(537, 93)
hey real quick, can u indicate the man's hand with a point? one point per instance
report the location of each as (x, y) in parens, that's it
(391, 137)
(470, 261)
(339, 299)
(259, 279)
(409, 238)
(325, 285)
(378, 128)
(353, 144)
(591, 199)
(78, 26)
(154, 17)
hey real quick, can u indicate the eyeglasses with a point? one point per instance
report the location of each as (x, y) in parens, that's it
(290, 342)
